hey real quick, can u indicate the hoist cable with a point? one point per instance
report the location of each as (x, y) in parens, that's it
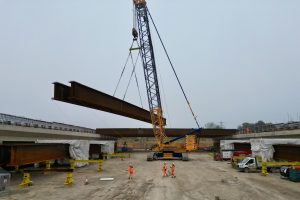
(195, 118)
(123, 70)
(133, 70)
(138, 87)
(136, 79)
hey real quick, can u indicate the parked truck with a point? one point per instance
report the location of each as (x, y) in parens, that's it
(250, 164)
(239, 156)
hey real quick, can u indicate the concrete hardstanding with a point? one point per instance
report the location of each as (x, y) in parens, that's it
(199, 178)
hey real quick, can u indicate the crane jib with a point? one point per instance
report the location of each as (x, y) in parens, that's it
(150, 72)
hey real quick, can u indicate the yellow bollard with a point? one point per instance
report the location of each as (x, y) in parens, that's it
(72, 164)
(26, 180)
(48, 164)
(69, 178)
(100, 165)
(17, 168)
(264, 170)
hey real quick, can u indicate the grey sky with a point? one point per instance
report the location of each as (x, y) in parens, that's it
(238, 60)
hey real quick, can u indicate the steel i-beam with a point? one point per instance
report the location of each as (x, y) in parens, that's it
(82, 95)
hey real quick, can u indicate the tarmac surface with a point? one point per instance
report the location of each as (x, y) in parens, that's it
(199, 178)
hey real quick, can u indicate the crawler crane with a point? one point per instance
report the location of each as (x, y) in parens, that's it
(163, 149)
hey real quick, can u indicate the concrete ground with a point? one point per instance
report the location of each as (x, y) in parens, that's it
(199, 178)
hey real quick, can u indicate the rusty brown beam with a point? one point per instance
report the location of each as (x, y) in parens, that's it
(48, 170)
(82, 95)
(287, 152)
(147, 132)
(61, 92)
(23, 154)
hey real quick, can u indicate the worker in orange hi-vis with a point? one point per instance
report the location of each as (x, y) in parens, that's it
(173, 170)
(130, 170)
(164, 169)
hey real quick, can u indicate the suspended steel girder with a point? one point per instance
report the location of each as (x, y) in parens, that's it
(82, 95)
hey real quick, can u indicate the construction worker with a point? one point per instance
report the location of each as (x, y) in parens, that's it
(173, 170)
(130, 170)
(164, 169)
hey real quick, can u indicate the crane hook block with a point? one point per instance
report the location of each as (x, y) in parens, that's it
(139, 2)
(134, 34)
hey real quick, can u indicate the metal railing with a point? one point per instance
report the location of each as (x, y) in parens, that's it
(269, 128)
(27, 122)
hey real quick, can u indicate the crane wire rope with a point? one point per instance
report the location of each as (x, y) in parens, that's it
(164, 96)
(186, 99)
(133, 15)
(161, 83)
(136, 79)
(123, 71)
(132, 72)
(138, 87)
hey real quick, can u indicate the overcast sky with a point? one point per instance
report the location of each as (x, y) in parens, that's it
(238, 60)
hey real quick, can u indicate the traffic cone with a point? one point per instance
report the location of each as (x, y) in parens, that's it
(86, 182)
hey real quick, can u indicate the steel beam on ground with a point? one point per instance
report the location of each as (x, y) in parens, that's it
(147, 132)
(287, 152)
(242, 146)
(23, 154)
(95, 149)
(82, 95)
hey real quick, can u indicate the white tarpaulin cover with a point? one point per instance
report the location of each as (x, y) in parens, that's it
(107, 146)
(264, 147)
(79, 149)
(259, 147)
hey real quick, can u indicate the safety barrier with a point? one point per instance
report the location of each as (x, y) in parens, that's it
(117, 155)
(265, 165)
(69, 176)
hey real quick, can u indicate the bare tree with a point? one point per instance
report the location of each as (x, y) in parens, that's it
(212, 125)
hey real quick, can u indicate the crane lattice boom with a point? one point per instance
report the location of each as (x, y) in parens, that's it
(150, 72)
